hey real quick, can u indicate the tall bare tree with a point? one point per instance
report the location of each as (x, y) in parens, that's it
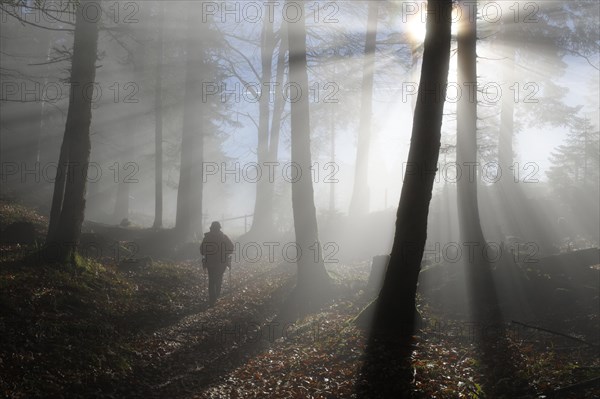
(395, 307)
(68, 201)
(188, 218)
(263, 215)
(478, 267)
(312, 278)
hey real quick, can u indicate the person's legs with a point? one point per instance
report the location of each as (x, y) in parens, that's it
(212, 286)
(219, 280)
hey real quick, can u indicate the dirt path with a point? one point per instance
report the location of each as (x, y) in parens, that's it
(183, 358)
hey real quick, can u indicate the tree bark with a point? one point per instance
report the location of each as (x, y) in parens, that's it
(69, 205)
(312, 278)
(395, 307)
(359, 204)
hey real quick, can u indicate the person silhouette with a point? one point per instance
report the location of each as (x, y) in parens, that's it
(216, 249)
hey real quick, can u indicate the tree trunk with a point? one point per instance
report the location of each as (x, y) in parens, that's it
(278, 108)
(75, 150)
(507, 125)
(332, 159)
(158, 125)
(121, 210)
(481, 286)
(188, 219)
(477, 267)
(39, 126)
(507, 188)
(359, 204)
(395, 307)
(466, 142)
(312, 278)
(127, 144)
(262, 223)
(279, 101)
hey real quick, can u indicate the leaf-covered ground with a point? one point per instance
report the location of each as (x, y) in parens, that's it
(100, 330)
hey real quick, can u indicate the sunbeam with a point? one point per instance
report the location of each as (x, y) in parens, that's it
(293, 199)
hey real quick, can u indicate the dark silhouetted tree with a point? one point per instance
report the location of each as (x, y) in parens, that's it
(395, 307)
(68, 202)
(466, 157)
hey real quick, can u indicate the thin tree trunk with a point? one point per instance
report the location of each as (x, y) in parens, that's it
(507, 125)
(508, 189)
(126, 154)
(312, 278)
(359, 204)
(466, 146)
(332, 157)
(481, 286)
(262, 222)
(158, 125)
(121, 210)
(39, 129)
(188, 218)
(278, 108)
(76, 143)
(395, 307)
(127, 146)
(471, 234)
(279, 101)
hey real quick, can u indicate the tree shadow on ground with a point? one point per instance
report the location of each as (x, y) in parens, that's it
(496, 354)
(387, 370)
(197, 352)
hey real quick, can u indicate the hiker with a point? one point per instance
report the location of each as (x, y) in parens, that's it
(216, 248)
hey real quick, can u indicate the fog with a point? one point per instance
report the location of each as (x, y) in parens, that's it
(35, 93)
(198, 113)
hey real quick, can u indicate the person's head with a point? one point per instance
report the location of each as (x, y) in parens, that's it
(215, 226)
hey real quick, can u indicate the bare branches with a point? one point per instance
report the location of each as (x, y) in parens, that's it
(577, 53)
(250, 64)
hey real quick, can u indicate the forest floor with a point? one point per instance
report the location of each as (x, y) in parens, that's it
(104, 330)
